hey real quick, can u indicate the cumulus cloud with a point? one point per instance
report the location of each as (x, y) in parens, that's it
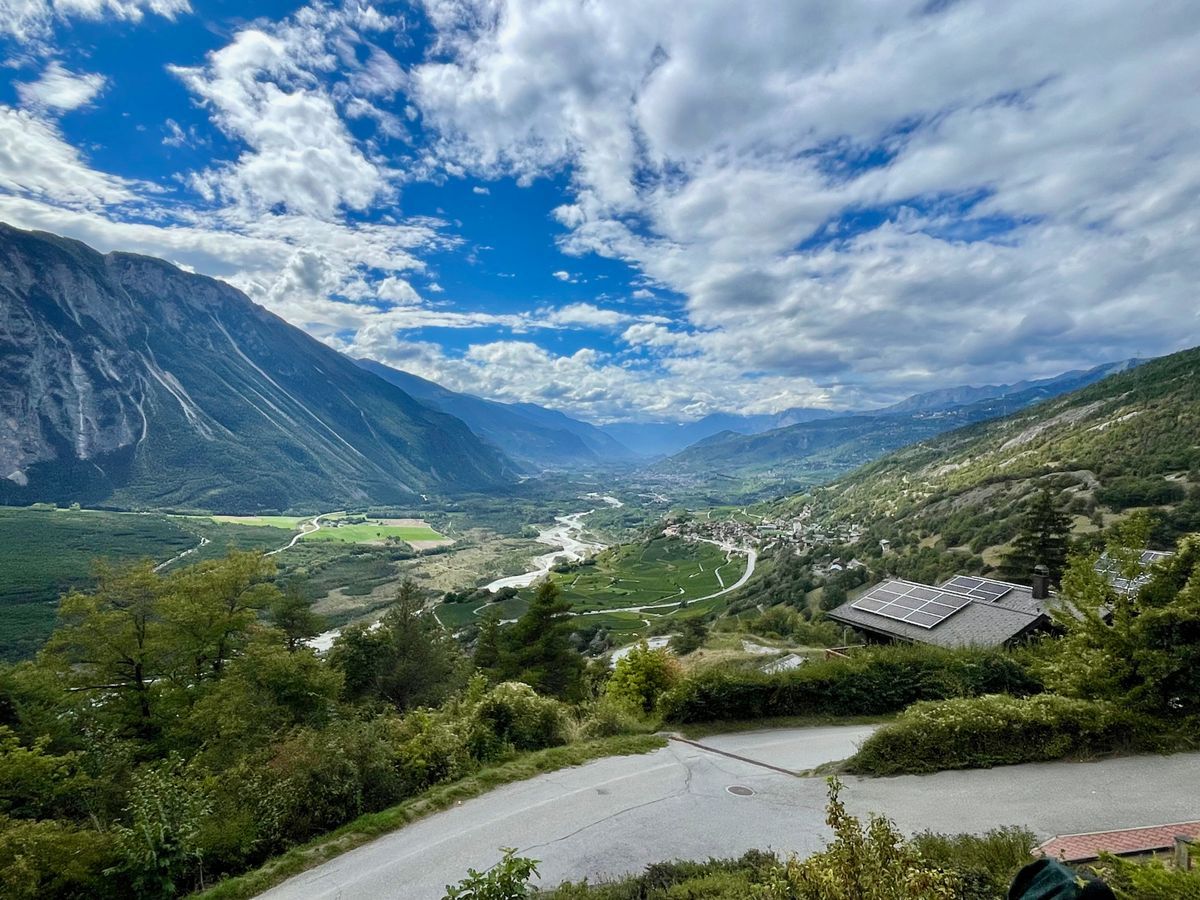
(59, 89)
(877, 197)
(837, 202)
(271, 89)
(33, 20)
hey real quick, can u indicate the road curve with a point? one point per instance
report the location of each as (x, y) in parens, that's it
(615, 816)
(304, 529)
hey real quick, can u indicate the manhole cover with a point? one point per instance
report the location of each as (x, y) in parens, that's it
(740, 791)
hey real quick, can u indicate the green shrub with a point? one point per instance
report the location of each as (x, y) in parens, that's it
(1125, 491)
(985, 864)
(507, 880)
(55, 859)
(608, 717)
(431, 750)
(513, 716)
(1149, 880)
(874, 682)
(996, 730)
(641, 676)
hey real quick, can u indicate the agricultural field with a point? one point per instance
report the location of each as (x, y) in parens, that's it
(661, 572)
(290, 523)
(414, 532)
(45, 552)
(666, 574)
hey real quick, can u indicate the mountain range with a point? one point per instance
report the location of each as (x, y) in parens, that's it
(819, 449)
(532, 436)
(127, 381)
(1129, 440)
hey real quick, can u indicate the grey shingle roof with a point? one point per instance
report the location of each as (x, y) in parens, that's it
(979, 623)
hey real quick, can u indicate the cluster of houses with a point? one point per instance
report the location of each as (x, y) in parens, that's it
(798, 532)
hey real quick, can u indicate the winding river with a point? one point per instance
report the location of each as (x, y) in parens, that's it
(566, 536)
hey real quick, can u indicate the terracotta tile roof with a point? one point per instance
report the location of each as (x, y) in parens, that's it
(1080, 847)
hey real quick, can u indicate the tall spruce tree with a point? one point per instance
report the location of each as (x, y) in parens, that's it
(539, 650)
(1042, 540)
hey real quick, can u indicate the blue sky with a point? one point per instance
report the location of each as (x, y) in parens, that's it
(638, 210)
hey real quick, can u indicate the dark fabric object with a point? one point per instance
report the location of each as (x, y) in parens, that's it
(1048, 879)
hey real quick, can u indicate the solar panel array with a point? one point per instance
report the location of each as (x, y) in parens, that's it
(978, 588)
(1111, 569)
(916, 604)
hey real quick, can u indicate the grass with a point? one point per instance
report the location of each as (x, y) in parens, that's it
(46, 552)
(629, 575)
(373, 533)
(370, 826)
(290, 523)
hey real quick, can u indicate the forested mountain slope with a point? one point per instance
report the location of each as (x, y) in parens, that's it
(1130, 440)
(125, 380)
(816, 451)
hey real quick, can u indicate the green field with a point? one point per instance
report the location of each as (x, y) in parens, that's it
(45, 552)
(372, 533)
(290, 523)
(663, 573)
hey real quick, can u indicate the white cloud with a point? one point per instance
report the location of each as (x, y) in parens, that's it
(36, 162)
(854, 200)
(482, 191)
(60, 89)
(720, 151)
(269, 89)
(584, 314)
(31, 20)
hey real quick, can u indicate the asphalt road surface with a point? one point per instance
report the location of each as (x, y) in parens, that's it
(615, 816)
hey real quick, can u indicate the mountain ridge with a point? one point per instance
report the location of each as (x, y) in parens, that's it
(824, 448)
(530, 435)
(127, 381)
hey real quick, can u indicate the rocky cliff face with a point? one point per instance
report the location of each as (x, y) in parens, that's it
(124, 379)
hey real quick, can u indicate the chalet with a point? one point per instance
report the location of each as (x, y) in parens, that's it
(963, 611)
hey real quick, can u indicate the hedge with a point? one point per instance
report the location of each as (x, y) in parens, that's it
(873, 682)
(995, 730)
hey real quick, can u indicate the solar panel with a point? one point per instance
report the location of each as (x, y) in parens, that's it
(1111, 569)
(978, 588)
(916, 604)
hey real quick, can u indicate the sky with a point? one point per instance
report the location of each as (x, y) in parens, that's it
(639, 210)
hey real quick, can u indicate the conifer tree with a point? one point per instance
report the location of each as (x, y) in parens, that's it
(1041, 541)
(539, 646)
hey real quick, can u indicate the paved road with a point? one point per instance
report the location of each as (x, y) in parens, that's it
(617, 815)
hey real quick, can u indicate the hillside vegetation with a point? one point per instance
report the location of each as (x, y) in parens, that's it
(812, 452)
(1131, 440)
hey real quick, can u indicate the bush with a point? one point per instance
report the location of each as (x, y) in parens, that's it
(1149, 880)
(985, 864)
(874, 682)
(608, 717)
(641, 676)
(507, 880)
(997, 730)
(513, 717)
(1130, 490)
(55, 859)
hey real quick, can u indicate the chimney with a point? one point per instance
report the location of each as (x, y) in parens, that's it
(1041, 582)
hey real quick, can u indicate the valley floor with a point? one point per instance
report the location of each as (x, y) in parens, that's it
(615, 816)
